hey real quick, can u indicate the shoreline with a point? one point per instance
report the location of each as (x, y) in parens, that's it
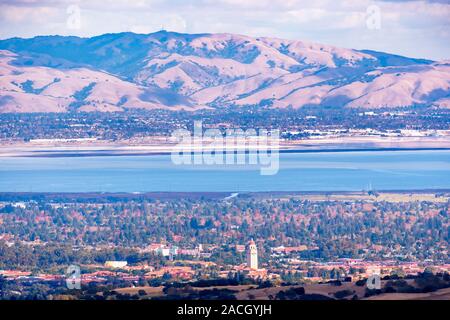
(116, 196)
(162, 146)
(121, 153)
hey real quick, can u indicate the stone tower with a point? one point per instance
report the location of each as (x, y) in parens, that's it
(252, 255)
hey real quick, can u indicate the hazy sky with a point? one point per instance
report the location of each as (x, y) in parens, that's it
(407, 27)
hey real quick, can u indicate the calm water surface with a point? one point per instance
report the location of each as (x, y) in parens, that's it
(336, 171)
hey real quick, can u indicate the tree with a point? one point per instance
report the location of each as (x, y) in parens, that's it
(142, 293)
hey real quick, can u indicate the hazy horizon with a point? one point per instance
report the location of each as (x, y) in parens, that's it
(418, 29)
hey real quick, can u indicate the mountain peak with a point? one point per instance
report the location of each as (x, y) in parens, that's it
(171, 70)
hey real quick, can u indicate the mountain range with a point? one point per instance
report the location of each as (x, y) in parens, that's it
(115, 72)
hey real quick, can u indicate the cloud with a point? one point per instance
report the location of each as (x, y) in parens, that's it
(17, 14)
(426, 1)
(412, 27)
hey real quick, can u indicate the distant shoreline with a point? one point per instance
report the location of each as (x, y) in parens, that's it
(161, 146)
(119, 153)
(207, 195)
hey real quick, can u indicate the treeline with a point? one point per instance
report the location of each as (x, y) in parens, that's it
(329, 229)
(41, 258)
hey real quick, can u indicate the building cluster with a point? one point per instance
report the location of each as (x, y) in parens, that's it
(307, 270)
(172, 251)
(355, 269)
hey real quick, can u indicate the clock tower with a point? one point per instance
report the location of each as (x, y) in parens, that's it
(252, 255)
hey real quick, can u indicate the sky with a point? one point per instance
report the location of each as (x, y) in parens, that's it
(411, 28)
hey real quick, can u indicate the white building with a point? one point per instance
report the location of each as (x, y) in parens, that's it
(252, 255)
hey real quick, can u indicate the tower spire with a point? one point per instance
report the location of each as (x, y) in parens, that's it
(252, 255)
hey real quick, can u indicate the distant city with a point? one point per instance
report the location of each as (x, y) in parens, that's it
(184, 245)
(224, 153)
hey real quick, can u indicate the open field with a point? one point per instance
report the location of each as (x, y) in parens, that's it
(321, 289)
(251, 292)
(149, 291)
(442, 294)
(381, 196)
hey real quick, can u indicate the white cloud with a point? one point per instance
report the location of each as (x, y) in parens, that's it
(14, 14)
(340, 23)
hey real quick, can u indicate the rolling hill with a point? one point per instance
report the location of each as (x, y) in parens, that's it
(115, 72)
